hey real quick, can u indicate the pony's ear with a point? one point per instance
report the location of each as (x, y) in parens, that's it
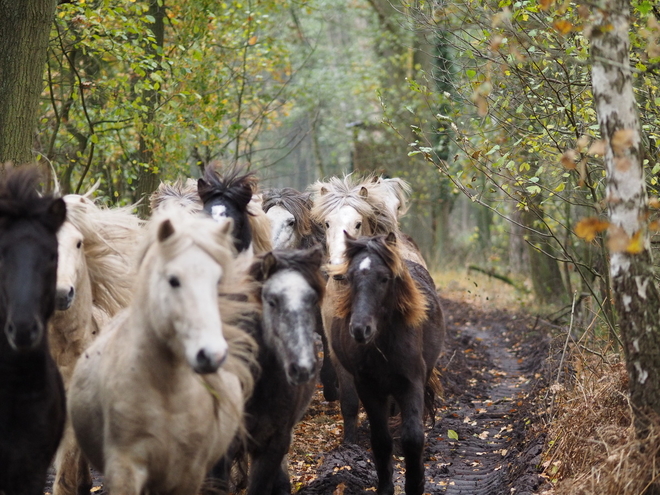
(262, 268)
(324, 191)
(165, 230)
(364, 192)
(202, 186)
(391, 239)
(375, 179)
(56, 214)
(315, 255)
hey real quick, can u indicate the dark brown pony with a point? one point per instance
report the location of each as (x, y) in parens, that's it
(32, 404)
(388, 334)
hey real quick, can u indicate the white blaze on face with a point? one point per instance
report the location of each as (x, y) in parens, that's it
(365, 264)
(282, 223)
(70, 257)
(218, 212)
(190, 299)
(345, 219)
(296, 299)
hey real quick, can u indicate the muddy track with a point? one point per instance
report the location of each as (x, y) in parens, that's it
(488, 370)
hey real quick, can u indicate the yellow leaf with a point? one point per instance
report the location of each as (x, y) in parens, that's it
(563, 26)
(589, 228)
(252, 40)
(636, 244)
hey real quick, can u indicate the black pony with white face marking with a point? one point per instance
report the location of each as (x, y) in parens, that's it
(289, 288)
(388, 334)
(228, 196)
(32, 407)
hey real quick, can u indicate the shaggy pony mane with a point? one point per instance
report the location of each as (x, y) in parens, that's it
(407, 298)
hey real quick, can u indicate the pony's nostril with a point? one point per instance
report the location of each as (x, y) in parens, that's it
(209, 362)
(72, 292)
(294, 370)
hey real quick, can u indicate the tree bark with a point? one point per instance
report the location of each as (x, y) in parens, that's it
(147, 173)
(24, 31)
(635, 293)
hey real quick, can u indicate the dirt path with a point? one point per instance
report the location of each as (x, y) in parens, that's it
(490, 363)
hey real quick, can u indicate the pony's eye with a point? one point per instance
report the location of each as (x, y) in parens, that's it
(79, 245)
(174, 282)
(358, 225)
(290, 222)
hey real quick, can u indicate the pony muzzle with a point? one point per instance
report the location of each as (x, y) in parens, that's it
(24, 336)
(300, 372)
(209, 361)
(64, 297)
(362, 331)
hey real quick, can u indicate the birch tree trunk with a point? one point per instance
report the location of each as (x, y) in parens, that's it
(636, 295)
(24, 30)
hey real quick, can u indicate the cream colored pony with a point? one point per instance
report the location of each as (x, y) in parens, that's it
(158, 397)
(360, 207)
(94, 278)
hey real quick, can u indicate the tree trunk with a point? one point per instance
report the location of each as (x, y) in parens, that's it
(24, 31)
(147, 176)
(635, 294)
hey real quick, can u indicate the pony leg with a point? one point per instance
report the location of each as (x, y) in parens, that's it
(349, 403)
(328, 374)
(66, 464)
(266, 469)
(124, 477)
(381, 440)
(85, 481)
(412, 438)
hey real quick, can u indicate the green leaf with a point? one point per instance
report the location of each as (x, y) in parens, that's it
(452, 434)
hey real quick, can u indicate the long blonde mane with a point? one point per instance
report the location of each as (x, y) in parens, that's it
(109, 239)
(361, 195)
(234, 287)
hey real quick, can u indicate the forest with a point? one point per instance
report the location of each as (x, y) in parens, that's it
(528, 131)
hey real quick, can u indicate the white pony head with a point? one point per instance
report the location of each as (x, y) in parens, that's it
(71, 265)
(181, 270)
(350, 206)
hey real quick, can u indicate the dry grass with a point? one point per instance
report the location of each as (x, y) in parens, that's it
(480, 290)
(592, 447)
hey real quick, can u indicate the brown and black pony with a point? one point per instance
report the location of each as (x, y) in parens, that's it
(32, 403)
(388, 334)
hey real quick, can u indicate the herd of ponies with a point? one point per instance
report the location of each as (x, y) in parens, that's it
(176, 355)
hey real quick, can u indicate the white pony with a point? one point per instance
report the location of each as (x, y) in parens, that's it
(94, 279)
(159, 396)
(360, 207)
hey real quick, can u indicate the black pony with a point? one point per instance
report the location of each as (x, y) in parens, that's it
(388, 334)
(32, 404)
(289, 290)
(229, 196)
